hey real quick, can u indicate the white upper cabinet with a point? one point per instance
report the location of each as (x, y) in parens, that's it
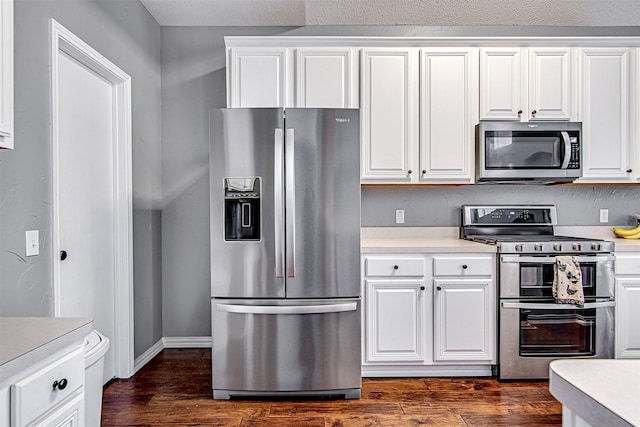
(325, 78)
(258, 77)
(526, 84)
(605, 113)
(6, 73)
(448, 114)
(389, 115)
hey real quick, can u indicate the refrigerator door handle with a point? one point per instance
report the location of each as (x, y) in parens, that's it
(290, 203)
(278, 201)
(287, 309)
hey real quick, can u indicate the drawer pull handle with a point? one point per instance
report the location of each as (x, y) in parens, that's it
(60, 385)
(464, 266)
(395, 267)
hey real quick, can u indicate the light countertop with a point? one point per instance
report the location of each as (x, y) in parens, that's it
(603, 392)
(447, 239)
(417, 240)
(26, 340)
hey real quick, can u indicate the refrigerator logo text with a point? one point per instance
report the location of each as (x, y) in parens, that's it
(342, 120)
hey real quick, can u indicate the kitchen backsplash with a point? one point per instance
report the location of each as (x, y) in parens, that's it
(439, 206)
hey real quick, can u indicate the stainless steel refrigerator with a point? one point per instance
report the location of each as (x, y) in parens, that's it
(285, 252)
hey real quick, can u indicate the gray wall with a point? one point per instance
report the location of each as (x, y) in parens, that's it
(125, 33)
(194, 81)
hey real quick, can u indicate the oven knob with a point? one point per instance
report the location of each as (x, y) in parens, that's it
(538, 247)
(595, 247)
(557, 247)
(577, 247)
(519, 248)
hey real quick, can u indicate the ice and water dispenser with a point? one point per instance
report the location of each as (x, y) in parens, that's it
(242, 209)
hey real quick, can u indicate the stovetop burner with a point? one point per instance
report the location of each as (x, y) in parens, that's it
(524, 229)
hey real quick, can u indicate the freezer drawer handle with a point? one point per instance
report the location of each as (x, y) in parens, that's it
(287, 309)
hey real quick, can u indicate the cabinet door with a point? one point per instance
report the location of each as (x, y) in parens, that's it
(326, 78)
(394, 321)
(464, 320)
(6, 74)
(502, 88)
(627, 317)
(389, 115)
(448, 114)
(550, 84)
(257, 78)
(71, 414)
(604, 109)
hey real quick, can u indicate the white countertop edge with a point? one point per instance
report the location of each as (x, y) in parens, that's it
(67, 332)
(594, 389)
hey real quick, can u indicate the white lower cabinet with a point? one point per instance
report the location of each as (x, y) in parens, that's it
(627, 303)
(49, 393)
(428, 315)
(394, 316)
(463, 321)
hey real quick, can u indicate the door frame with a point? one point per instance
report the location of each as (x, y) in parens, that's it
(63, 41)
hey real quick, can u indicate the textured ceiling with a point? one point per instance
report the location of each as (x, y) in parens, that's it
(394, 12)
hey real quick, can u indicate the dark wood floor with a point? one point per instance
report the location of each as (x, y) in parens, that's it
(175, 389)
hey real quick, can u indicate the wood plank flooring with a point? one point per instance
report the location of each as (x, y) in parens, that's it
(175, 389)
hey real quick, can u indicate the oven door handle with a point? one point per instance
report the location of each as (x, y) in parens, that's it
(517, 259)
(553, 306)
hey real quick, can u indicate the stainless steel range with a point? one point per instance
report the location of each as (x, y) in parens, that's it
(533, 328)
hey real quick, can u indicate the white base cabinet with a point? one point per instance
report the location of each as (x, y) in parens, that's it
(428, 315)
(49, 393)
(627, 304)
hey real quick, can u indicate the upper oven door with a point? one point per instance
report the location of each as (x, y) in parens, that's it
(529, 151)
(526, 276)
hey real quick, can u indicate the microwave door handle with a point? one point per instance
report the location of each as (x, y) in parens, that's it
(567, 149)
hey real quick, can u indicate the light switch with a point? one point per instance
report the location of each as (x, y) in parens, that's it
(32, 243)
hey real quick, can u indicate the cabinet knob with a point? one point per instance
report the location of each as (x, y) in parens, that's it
(629, 170)
(519, 112)
(534, 112)
(395, 267)
(60, 385)
(439, 288)
(409, 171)
(464, 266)
(63, 255)
(422, 288)
(424, 172)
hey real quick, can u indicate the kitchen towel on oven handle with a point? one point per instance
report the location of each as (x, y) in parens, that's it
(567, 281)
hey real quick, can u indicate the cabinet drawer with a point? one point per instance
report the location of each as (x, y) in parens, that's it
(399, 267)
(462, 266)
(34, 395)
(627, 264)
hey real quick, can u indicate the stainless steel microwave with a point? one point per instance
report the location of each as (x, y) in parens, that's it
(528, 152)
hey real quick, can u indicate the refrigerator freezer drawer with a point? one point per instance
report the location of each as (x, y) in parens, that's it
(271, 347)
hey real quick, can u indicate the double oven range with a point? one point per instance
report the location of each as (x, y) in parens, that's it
(533, 328)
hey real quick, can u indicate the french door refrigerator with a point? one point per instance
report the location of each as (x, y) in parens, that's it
(285, 252)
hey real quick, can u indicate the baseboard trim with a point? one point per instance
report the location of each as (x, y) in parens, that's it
(186, 342)
(146, 357)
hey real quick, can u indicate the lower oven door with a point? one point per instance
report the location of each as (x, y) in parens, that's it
(534, 333)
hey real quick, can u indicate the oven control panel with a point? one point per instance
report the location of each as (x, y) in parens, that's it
(509, 215)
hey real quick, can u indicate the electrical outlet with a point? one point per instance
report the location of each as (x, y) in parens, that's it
(399, 216)
(604, 215)
(32, 245)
